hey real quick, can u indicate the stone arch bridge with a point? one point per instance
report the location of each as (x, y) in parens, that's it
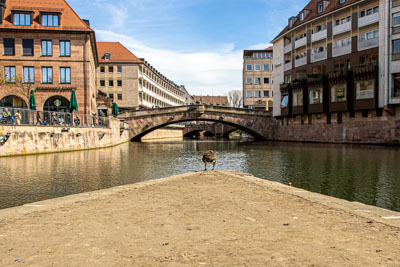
(216, 129)
(141, 122)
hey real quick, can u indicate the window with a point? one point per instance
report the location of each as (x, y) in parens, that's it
(315, 96)
(65, 48)
(266, 93)
(111, 96)
(249, 67)
(47, 75)
(369, 11)
(257, 93)
(9, 72)
(365, 89)
(338, 93)
(22, 19)
(47, 48)
(119, 96)
(29, 75)
(249, 80)
(257, 67)
(27, 47)
(320, 7)
(107, 56)
(297, 99)
(342, 1)
(257, 80)
(50, 20)
(344, 42)
(9, 47)
(288, 78)
(110, 83)
(119, 83)
(110, 69)
(102, 83)
(343, 20)
(302, 16)
(65, 75)
(396, 84)
(369, 35)
(102, 69)
(266, 67)
(396, 46)
(249, 94)
(266, 80)
(285, 101)
(396, 19)
(119, 69)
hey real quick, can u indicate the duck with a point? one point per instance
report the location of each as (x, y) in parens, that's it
(209, 157)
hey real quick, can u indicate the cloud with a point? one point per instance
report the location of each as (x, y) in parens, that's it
(205, 72)
(260, 46)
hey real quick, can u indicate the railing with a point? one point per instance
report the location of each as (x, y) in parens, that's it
(287, 49)
(345, 27)
(319, 36)
(362, 45)
(300, 42)
(300, 62)
(318, 56)
(366, 20)
(342, 50)
(20, 116)
(288, 66)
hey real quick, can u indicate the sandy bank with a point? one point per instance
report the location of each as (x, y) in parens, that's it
(200, 219)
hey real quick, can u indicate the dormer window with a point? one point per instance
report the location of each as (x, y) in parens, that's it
(320, 7)
(342, 2)
(292, 20)
(106, 56)
(22, 18)
(50, 19)
(302, 16)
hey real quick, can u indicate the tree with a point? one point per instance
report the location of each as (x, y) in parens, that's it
(235, 98)
(16, 86)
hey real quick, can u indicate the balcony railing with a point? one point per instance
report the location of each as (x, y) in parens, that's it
(288, 66)
(366, 44)
(300, 62)
(318, 36)
(367, 20)
(287, 48)
(343, 50)
(319, 56)
(345, 27)
(301, 42)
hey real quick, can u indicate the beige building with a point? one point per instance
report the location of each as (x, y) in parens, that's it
(133, 83)
(46, 47)
(211, 100)
(258, 79)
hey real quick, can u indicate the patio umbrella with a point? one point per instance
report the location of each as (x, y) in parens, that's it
(115, 111)
(32, 101)
(73, 104)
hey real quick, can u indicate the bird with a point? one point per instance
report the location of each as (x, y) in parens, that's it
(209, 157)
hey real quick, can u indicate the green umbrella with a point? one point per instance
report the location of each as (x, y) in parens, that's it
(32, 101)
(115, 111)
(73, 104)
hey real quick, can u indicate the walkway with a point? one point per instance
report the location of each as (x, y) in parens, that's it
(199, 219)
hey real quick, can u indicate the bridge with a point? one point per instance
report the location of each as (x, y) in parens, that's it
(142, 122)
(208, 129)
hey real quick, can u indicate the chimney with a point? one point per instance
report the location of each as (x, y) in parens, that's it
(2, 10)
(84, 20)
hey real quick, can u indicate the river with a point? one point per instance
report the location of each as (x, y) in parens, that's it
(368, 174)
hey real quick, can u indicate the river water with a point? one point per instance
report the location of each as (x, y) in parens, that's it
(367, 174)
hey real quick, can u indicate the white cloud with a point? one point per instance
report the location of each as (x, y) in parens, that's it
(259, 46)
(207, 72)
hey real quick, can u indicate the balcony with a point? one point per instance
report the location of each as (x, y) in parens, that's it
(288, 66)
(340, 51)
(367, 20)
(345, 27)
(370, 43)
(301, 42)
(300, 62)
(318, 36)
(319, 56)
(287, 49)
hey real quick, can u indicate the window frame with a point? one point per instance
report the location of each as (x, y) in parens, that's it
(119, 69)
(53, 15)
(23, 47)
(110, 83)
(65, 48)
(31, 74)
(46, 68)
(268, 80)
(119, 83)
(5, 48)
(11, 76)
(396, 16)
(102, 83)
(249, 78)
(397, 41)
(47, 46)
(19, 13)
(67, 78)
(111, 69)
(249, 69)
(249, 94)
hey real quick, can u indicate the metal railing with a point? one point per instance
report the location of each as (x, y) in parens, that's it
(21, 116)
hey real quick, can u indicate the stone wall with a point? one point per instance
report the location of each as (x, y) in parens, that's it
(24, 140)
(164, 133)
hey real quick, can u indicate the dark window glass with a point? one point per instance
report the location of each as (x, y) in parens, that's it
(119, 96)
(102, 83)
(29, 75)
(110, 83)
(65, 75)
(9, 73)
(47, 48)
(119, 83)
(266, 93)
(9, 47)
(22, 19)
(119, 69)
(396, 46)
(27, 47)
(47, 75)
(111, 96)
(111, 69)
(102, 69)
(65, 48)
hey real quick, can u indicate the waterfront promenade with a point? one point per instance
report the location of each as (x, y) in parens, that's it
(211, 218)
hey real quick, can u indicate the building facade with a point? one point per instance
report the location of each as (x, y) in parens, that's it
(132, 82)
(46, 47)
(330, 65)
(211, 100)
(258, 79)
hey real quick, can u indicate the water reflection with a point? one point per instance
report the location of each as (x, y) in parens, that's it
(358, 173)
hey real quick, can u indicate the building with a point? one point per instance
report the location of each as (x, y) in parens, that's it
(132, 82)
(188, 98)
(331, 63)
(45, 46)
(211, 100)
(258, 79)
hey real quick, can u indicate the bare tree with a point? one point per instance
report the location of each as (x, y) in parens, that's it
(235, 98)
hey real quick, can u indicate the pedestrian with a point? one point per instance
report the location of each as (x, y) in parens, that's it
(38, 118)
(17, 118)
(54, 118)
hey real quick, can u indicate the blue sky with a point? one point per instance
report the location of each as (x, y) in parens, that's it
(198, 43)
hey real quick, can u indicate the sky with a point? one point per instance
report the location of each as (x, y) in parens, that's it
(196, 43)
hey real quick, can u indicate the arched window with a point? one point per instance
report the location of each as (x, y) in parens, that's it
(13, 101)
(56, 103)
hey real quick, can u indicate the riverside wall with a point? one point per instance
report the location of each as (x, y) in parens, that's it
(25, 140)
(164, 134)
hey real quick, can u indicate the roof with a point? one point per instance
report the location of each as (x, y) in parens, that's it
(118, 53)
(313, 14)
(212, 100)
(249, 52)
(69, 21)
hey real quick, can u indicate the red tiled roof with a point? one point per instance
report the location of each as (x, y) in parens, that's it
(118, 53)
(69, 21)
(312, 7)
